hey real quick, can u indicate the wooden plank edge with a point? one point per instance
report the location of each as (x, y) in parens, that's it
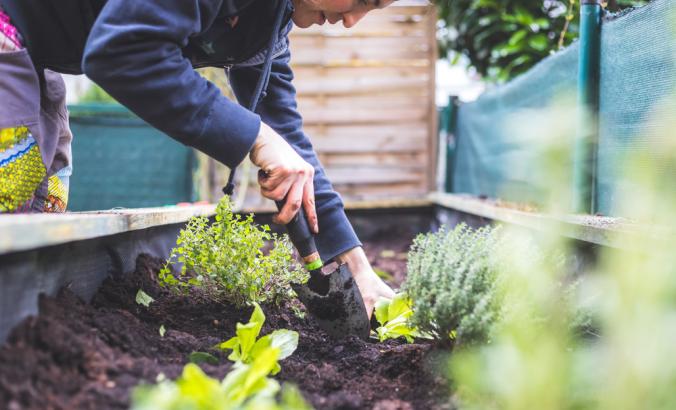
(600, 230)
(26, 232)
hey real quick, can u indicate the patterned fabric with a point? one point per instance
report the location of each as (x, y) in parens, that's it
(9, 36)
(21, 169)
(57, 191)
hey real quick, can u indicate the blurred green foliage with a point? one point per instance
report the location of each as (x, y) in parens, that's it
(504, 38)
(630, 290)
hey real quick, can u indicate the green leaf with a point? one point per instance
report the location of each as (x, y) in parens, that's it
(162, 330)
(382, 306)
(284, 340)
(247, 334)
(143, 298)
(247, 348)
(394, 315)
(202, 357)
(539, 42)
(249, 380)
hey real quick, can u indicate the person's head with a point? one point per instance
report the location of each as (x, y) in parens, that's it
(309, 12)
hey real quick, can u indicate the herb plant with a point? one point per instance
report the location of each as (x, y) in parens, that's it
(394, 317)
(227, 258)
(452, 282)
(247, 348)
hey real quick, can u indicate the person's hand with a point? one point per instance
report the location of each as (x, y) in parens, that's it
(284, 174)
(370, 285)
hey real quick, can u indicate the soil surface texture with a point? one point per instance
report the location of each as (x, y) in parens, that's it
(77, 355)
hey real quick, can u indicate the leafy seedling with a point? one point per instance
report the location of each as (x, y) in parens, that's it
(143, 298)
(246, 347)
(162, 330)
(393, 316)
(202, 357)
(247, 386)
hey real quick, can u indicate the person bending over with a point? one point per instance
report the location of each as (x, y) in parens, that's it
(143, 53)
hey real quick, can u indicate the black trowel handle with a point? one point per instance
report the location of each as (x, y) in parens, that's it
(299, 232)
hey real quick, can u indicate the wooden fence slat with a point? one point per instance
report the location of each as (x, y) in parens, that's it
(373, 175)
(410, 160)
(381, 115)
(357, 85)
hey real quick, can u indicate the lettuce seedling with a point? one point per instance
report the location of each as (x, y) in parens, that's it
(393, 316)
(246, 347)
(246, 387)
(143, 298)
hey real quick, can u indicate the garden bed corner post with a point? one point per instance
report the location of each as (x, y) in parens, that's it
(586, 140)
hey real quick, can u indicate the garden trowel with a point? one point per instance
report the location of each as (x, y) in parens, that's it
(333, 299)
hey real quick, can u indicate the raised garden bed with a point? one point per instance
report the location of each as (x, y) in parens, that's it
(76, 354)
(90, 356)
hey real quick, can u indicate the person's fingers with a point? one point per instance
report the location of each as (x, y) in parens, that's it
(309, 205)
(269, 180)
(279, 192)
(294, 200)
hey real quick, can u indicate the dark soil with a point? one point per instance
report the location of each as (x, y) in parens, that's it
(75, 355)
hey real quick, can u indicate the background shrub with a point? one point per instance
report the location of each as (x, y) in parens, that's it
(504, 38)
(227, 258)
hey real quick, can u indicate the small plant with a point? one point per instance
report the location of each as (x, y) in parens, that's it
(227, 258)
(394, 318)
(246, 387)
(246, 349)
(452, 282)
(143, 298)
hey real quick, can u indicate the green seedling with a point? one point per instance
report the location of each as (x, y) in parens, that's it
(246, 387)
(162, 330)
(394, 318)
(246, 347)
(143, 298)
(202, 357)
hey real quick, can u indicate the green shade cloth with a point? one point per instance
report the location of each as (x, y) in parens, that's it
(638, 75)
(638, 71)
(489, 159)
(120, 161)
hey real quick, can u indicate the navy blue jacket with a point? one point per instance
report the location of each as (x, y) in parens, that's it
(143, 52)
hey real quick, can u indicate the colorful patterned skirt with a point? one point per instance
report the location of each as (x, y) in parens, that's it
(34, 137)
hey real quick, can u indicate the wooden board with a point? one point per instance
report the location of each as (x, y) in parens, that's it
(24, 232)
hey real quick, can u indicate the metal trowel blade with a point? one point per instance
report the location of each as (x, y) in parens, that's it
(341, 311)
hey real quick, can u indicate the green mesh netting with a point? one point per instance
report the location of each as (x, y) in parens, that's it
(120, 161)
(638, 72)
(490, 160)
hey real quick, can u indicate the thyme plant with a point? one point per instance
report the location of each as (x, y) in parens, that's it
(452, 282)
(227, 258)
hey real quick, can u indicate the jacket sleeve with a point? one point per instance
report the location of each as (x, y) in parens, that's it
(134, 53)
(279, 110)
